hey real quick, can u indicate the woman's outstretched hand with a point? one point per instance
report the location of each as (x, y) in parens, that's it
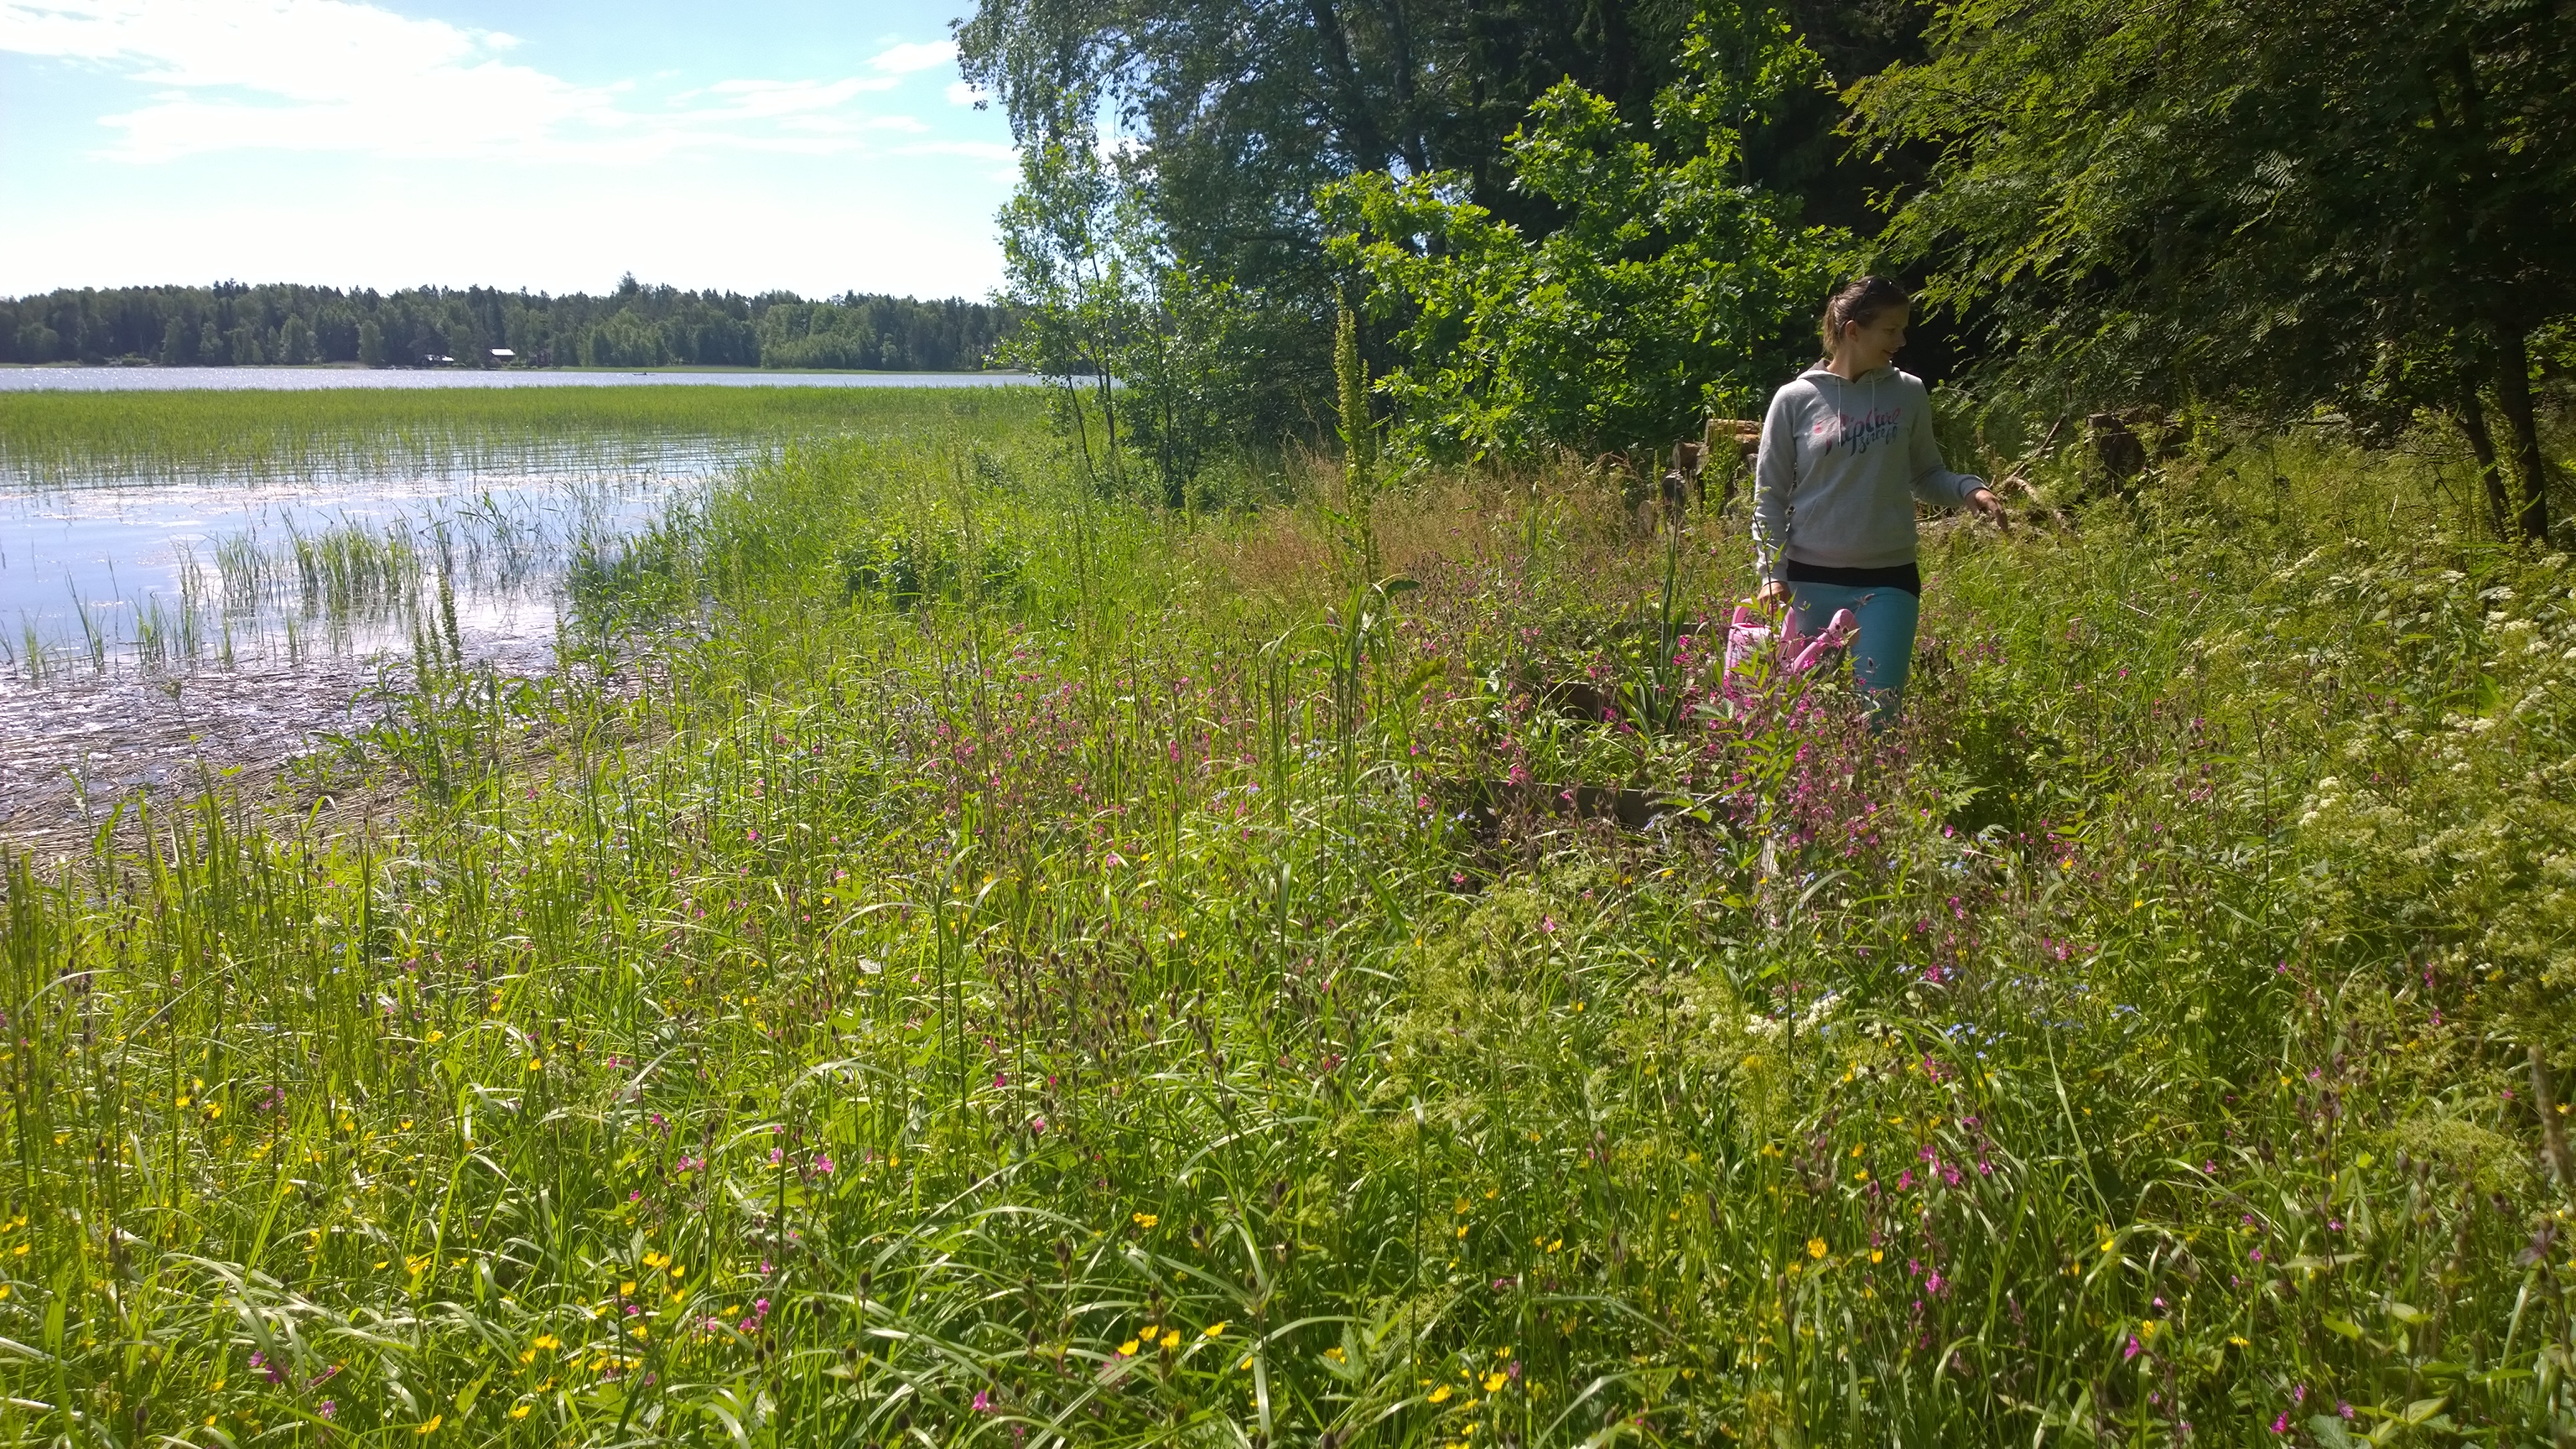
(1984, 501)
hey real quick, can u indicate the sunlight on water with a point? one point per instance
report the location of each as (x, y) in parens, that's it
(146, 627)
(299, 379)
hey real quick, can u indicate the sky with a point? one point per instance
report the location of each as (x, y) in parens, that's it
(547, 144)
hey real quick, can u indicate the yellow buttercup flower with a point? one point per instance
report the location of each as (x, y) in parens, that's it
(1440, 1395)
(1213, 1329)
(521, 1411)
(1127, 1349)
(1171, 1340)
(1815, 1247)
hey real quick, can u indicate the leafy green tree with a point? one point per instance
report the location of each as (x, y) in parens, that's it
(167, 324)
(1673, 288)
(371, 343)
(2279, 204)
(1189, 371)
(1107, 308)
(1238, 111)
(1064, 260)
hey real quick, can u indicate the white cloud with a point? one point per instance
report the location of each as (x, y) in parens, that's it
(782, 98)
(979, 150)
(916, 55)
(962, 94)
(846, 125)
(345, 76)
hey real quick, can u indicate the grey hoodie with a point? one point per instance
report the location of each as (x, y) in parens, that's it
(1840, 468)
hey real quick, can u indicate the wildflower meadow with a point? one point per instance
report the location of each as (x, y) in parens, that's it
(959, 954)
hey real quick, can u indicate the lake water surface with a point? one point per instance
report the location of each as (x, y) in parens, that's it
(182, 379)
(149, 630)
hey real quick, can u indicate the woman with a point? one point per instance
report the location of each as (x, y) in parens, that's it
(1847, 448)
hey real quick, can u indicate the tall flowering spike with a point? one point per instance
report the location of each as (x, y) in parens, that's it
(1359, 430)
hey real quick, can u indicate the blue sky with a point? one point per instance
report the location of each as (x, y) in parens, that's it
(550, 145)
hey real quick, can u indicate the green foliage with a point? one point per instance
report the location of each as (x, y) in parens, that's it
(1672, 291)
(2447, 832)
(1240, 111)
(1163, 352)
(907, 570)
(2279, 206)
(805, 1019)
(1068, 263)
(636, 326)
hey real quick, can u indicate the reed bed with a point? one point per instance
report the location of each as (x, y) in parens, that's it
(294, 574)
(71, 439)
(951, 960)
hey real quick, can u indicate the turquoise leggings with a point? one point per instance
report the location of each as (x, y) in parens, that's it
(1883, 652)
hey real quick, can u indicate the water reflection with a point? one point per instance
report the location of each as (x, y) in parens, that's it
(148, 630)
(307, 379)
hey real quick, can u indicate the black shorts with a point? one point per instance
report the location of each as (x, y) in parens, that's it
(1903, 576)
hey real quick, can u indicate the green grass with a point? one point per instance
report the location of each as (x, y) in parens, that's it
(72, 438)
(953, 960)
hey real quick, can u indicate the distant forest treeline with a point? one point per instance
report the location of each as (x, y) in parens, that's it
(230, 324)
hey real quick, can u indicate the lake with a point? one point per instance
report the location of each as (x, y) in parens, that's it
(291, 379)
(145, 628)
(210, 574)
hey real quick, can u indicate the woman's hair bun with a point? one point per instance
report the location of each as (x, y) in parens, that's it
(1859, 301)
